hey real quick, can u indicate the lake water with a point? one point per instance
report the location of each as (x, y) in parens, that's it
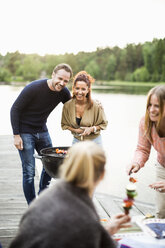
(123, 112)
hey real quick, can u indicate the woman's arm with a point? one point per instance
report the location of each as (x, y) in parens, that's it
(101, 121)
(142, 151)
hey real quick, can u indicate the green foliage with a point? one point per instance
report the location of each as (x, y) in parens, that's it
(141, 75)
(163, 70)
(122, 66)
(111, 67)
(155, 77)
(130, 57)
(141, 62)
(148, 54)
(31, 67)
(5, 75)
(129, 77)
(92, 68)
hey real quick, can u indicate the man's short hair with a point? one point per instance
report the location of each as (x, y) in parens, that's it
(64, 66)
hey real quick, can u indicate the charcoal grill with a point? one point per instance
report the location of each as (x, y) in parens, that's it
(51, 160)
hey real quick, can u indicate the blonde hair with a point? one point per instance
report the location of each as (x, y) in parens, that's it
(84, 165)
(159, 92)
(88, 79)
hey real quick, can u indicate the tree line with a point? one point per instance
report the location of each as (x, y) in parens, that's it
(134, 63)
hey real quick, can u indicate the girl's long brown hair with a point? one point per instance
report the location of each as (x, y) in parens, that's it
(159, 92)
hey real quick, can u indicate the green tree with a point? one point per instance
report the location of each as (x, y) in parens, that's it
(147, 50)
(139, 60)
(82, 60)
(5, 75)
(92, 68)
(122, 66)
(130, 57)
(31, 67)
(111, 67)
(141, 75)
(12, 61)
(158, 58)
(163, 69)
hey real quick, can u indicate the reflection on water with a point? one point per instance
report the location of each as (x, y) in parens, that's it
(134, 90)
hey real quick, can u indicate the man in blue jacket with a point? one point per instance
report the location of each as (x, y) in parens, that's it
(29, 115)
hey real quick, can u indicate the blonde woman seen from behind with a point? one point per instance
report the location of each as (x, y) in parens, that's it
(69, 218)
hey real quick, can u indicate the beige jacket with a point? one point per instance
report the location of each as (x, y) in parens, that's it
(94, 116)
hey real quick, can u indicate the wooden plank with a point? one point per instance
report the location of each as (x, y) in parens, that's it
(14, 210)
(101, 212)
(113, 205)
(12, 201)
(10, 232)
(108, 203)
(134, 211)
(12, 205)
(145, 208)
(9, 223)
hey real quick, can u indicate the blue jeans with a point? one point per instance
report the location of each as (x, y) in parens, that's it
(97, 140)
(33, 142)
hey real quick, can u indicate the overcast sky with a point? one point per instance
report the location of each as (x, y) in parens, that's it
(60, 26)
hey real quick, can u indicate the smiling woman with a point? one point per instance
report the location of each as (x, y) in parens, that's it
(81, 115)
(152, 133)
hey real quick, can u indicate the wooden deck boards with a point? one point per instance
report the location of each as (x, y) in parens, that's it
(12, 201)
(113, 205)
(13, 204)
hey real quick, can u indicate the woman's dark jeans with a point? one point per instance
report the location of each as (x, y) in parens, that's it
(32, 142)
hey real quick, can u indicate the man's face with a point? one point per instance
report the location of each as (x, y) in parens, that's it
(60, 79)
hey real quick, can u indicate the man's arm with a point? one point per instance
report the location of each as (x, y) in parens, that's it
(17, 108)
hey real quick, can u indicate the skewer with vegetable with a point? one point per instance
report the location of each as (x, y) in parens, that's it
(131, 194)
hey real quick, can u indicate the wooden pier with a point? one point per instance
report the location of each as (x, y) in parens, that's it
(13, 204)
(12, 201)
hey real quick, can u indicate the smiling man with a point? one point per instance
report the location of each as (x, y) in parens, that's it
(29, 115)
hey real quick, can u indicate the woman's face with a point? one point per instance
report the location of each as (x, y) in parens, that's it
(153, 108)
(80, 90)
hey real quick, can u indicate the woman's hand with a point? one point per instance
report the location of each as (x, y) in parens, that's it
(86, 131)
(75, 130)
(118, 222)
(79, 131)
(132, 168)
(158, 186)
(99, 104)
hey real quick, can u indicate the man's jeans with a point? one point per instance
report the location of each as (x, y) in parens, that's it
(33, 142)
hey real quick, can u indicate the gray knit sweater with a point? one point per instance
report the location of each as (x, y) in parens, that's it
(63, 216)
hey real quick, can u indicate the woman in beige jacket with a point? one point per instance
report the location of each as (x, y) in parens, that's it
(82, 115)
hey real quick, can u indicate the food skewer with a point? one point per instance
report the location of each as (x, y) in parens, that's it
(131, 194)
